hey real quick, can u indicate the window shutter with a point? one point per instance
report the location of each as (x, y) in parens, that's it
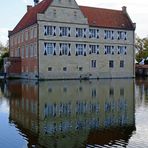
(84, 32)
(125, 52)
(76, 53)
(105, 34)
(97, 49)
(60, 31)
(118, 50)
(69, 31)
(45, 48)
(54, 31)
(112, 35)
(45, 30)
(76, 31)
(105, 50)
(112, 49)
(118, 35)
(89, 49)
(125, 38)
(69, 54)
(54, 53)
(76, 49)
(89, 33)
(97, 33)
(60, 52)
(84, 49)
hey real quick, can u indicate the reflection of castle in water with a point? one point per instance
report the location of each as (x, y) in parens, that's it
(73, 113)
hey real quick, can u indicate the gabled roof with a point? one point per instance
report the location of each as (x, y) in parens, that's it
(107, 18)
(97, 17)
(30, 17)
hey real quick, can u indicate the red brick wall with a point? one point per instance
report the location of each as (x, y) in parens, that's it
(26, 64)
(15, 65)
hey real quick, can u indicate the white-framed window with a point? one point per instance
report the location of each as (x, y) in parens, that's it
(34, 32)
(80, 49)
(93, 33)
(11, 41)
(108, 49)
(27, 51)
(49, 30)
(31, 33)
(23, 52)
(108, 34)
(93, 49)
(35, 49)
(18, 52)
(18, 38)
(122, 35)
(26, 35)
(81, 32)
(15, 40)
(65, 31)
(93, 63)
(64, 48)
(49, 48)
(31, 50)
(22, 37)
(122, 49)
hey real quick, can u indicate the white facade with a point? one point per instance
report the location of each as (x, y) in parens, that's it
(90, 51)
(67, 46)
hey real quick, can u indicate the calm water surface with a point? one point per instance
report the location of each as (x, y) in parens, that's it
(74, 114)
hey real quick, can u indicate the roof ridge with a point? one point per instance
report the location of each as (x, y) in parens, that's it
(100, 8)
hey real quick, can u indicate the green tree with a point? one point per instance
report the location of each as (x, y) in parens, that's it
(142, 48)
(4, 52)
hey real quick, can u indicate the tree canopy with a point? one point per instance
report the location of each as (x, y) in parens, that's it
(141, 46)
(4, 52)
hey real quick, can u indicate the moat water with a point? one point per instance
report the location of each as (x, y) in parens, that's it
(74, 114)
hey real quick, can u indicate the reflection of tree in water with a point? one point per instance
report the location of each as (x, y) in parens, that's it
(142, 83)
(72, 113)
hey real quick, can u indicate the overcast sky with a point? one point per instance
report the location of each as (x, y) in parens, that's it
(11, 11)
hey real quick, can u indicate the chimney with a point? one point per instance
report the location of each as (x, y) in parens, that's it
(28, 7)
(124, 9)
(9, 33)
(134, 25)
(36, 2)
